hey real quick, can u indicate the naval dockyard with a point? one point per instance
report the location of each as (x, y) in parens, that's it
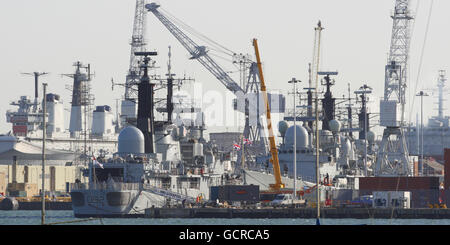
(154, 157)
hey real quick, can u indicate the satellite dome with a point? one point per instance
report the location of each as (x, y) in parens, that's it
(335, 126)
(302, 136)
(131, 140)
(282, 127)
(370, 136)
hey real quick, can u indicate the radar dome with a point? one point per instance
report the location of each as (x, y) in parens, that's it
(335, 126)
(282, 127)
(131, 140)
(301, 136)
(370, 136)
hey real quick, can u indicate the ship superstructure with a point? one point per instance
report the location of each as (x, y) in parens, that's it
(157, 164)
(90, 131)
(341, 155)
(436, 135)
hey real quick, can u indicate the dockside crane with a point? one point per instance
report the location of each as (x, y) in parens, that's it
(392, 157)
(138, 44)
(200, 53)
(196, 51)
(273, 148)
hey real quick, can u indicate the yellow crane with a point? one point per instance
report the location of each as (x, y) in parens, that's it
(273, 148)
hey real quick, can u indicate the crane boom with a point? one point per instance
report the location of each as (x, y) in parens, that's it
(273, 148)
(197, 52)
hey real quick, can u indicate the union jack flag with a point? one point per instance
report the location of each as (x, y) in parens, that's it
(95, 162)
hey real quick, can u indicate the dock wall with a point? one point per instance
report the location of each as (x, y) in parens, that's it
(303, 213)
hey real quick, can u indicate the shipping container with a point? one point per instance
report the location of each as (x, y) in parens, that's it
(236, 193)
(399, 183)
(391, 199)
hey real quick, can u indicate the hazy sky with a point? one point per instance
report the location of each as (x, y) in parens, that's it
(50, 35)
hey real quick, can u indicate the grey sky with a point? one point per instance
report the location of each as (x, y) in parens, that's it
(49, 35)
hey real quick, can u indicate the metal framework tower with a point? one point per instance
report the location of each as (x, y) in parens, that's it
(392, 157)
(82, 99)
(253, 129)
(441, 85)
(138, 44)
(328, 102)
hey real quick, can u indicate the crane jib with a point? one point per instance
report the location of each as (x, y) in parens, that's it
(198, 52)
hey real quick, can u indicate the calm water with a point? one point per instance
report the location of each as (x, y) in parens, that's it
(33, 218)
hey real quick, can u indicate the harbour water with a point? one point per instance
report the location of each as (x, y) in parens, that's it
(26, 217)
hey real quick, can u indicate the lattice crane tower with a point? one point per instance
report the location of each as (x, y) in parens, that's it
(392, 157)
(138, 44)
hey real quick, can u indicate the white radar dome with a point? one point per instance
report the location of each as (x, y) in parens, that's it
(131, 140)
(302, 136)
(335, 126)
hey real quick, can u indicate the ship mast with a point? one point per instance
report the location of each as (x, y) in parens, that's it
(441, 86)
(36, 85)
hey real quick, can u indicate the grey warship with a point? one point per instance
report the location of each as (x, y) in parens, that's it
(158, 163)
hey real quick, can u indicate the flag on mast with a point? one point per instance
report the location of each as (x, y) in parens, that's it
(247, 141)
(95, 162)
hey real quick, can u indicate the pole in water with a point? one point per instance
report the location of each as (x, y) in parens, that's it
(317, 221)
(44, 112)
(294, 81)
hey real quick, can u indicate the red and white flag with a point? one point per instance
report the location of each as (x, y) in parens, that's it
(236, 146)
(95, 162)
(247, 142)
